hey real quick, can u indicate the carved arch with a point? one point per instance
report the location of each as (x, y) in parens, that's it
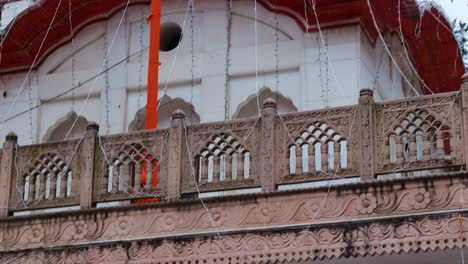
(166, 108)
(59, 130)
(249, 107)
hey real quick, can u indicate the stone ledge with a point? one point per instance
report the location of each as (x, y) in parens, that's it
(300, 244)
(240, 215)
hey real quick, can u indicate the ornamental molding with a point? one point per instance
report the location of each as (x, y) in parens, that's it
(353, 240)
(236, 214)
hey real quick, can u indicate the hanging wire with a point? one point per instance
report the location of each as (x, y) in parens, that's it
(389, 52)
(140, 61)
(106, 77)
(227, 86)
(323, 74)
(277, 59)
(194, 178)
(377, 74)
(80, 84)
(256, 57)
(403, 44)
(31, 127)
(36, 57)
(102, 67)
(73, 49)
(192, 62)
(176, 54)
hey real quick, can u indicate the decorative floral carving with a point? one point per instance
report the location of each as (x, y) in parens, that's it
(169, 222)
(420, 199)
(293, 245)
(123, 226)
(246, 213)
(218, 216)
(80, 230)
(35, 234)
(367, 203)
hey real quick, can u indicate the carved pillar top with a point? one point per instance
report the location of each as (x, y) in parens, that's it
(178, 115)
(366, 96)
(270, 103)
(11, 137)
(92, 126)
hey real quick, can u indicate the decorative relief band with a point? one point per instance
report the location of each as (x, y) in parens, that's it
(250, 212)
(354, 240)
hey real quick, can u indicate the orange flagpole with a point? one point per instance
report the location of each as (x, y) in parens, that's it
(151, 121)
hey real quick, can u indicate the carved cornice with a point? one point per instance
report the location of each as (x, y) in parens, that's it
(253, 212)
(353, 240)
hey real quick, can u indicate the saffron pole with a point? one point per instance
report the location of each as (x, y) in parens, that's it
(151, 121)
(154, 20)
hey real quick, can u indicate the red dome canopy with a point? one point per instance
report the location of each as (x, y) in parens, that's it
(424, 36)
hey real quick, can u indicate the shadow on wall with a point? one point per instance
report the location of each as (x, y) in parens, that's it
(59, 130)
(166, 108)
(249, 107)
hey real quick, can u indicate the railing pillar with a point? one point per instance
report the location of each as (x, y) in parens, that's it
(268, 164)
(464, 96)
(366, 126)
(87, 157)
(7, 170)
(176, 148)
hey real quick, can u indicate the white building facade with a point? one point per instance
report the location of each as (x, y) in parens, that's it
(215, 73)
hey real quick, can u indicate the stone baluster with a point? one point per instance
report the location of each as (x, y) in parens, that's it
(413, 154)
(149, 176)
(298, 160)
(268, 154)
(216, 168)
(291, 160)
(124, 177)
(311, 159)
(32, 188)
(426, 145)
(440, 145)
(366, 134)
(176, 151)
(399, 149)
(7, 172)
(324, 156)
(228, 168)
(138, 175)
(240, 167)
(87, 156)
(464, 97)
(42, 187)
(63, 184)
(337, 154)
(53, 186)
(235, 161)
(204, 169)
(115, 178)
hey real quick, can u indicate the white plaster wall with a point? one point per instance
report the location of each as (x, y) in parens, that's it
(349, 66)
(10, 10)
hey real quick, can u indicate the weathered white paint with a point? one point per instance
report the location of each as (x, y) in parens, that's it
(12, 9)
(354, 63)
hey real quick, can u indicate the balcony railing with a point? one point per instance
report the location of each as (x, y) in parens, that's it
(364, 140)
